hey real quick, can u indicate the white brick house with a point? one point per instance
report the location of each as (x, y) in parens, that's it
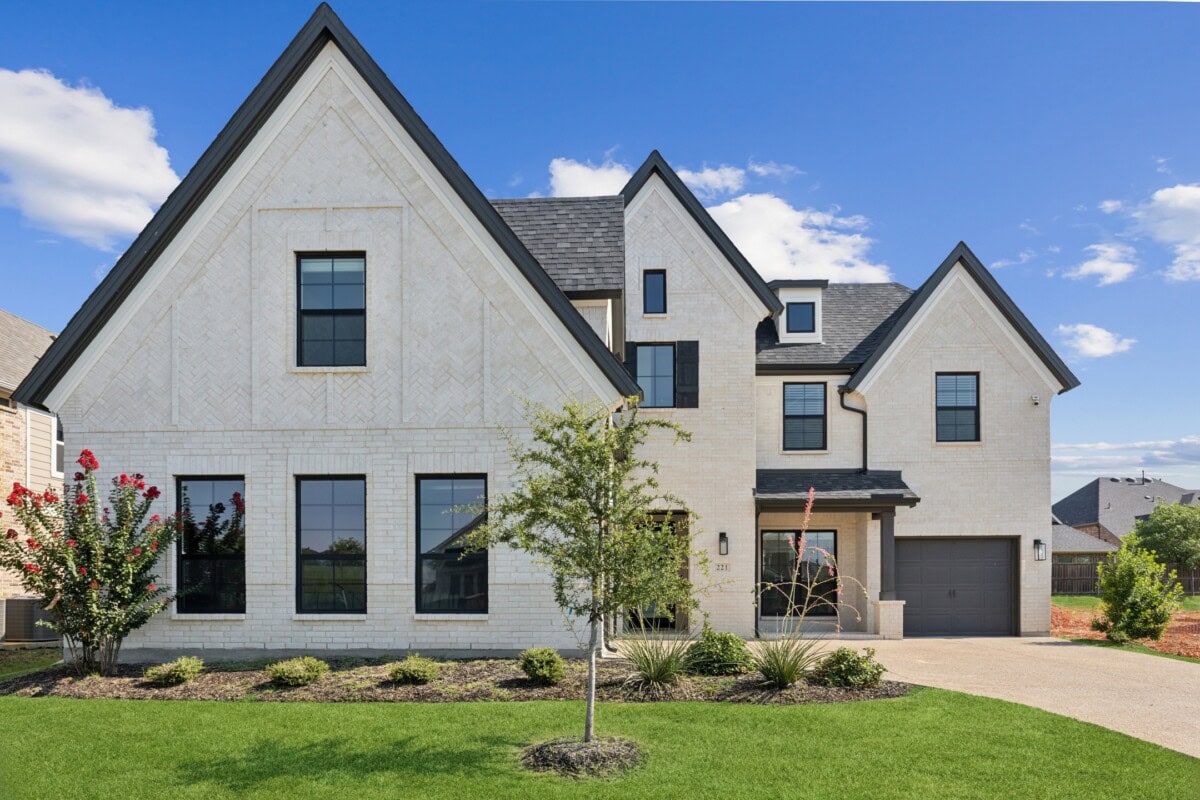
(329, 318)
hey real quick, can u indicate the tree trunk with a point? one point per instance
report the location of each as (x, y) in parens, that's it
(589, 726)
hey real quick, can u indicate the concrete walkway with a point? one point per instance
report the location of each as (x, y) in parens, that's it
(1152, 698)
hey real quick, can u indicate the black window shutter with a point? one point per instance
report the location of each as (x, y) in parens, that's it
(687, 374)
(631, 359)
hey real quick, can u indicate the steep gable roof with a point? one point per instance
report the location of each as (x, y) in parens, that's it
(579, 241)
(323, 27)
(21, 345)
(1115, 504)
(655, 164)
(1020, 323)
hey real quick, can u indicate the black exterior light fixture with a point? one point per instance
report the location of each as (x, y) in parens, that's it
(723, 543)
(1039, 550)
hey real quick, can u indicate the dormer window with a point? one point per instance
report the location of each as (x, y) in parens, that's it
(801, 317)
(800, 322)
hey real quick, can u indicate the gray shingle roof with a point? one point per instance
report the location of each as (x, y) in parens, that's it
(579, 241)
(832, 484)
(854, 319)
(1116, 503)
(1065, 539)
(21, 345)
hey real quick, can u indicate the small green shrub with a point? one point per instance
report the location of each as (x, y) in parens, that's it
(784, 662)
(414, 670)
(1138, 595)
(544, 665)
(297, 671)
(846, 668)
(657, 663)
(173, 673)
(719, 654)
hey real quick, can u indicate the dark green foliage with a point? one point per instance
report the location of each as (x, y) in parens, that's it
(1172, 531)
(414, 670)
(719, 654)
(784, 662)
(659, 663)
(1138, 595)
(544, 665)
(846, 668)
(297, 671)
(173, 673)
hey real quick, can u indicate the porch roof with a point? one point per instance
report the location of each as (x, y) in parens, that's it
(875, 489)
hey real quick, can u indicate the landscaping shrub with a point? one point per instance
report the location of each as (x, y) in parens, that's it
(844, 667)
(414, 670)
(173, 673)
(784, 662)
(544, 665)
(297, 671)
(657, 663)
(719, 654)
(1137, 594)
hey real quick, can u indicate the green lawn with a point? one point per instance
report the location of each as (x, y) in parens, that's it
(932, 744)
(14, 662)
(1083, 602)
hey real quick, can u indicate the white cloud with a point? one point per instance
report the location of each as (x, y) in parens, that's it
(1092, 341)
(76, 163)
(772, 169)
(1172, 218)
(1112, 262)
(1126, 457)
(1024, 257)
(1109, 206)
(786, 242)
(1160, 165)
(711, 181)
(571, 178)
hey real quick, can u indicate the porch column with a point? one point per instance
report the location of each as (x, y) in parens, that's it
(887, 555)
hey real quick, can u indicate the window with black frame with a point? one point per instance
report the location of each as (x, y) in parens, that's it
(957, 398)
(656, 374)
(786, 589)
(450, 580)
(211, 545)
(331, 329)
(332, 545)
(804, 416)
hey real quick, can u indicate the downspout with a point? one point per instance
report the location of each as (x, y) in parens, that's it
(861, 411)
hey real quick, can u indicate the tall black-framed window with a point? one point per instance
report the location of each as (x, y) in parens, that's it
(331, 317)
(449, 580)
(957, 398)
(331, 544)
(654, 291)
(60, 447)
(804, 416)
(211, 573)
(656, 374)
(786, 588)
(801, 317)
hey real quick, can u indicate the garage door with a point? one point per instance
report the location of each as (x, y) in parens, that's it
(956, 587)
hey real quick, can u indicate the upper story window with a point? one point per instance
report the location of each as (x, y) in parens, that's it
(331, 325)
(450, 580)
(656, 374)
(60, 448)
(804, 416)
(654, 291)
(212, 545)
(957, 406)
(331, 545)
(801, 317)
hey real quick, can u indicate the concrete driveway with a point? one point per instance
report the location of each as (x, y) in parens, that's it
(1152, 698)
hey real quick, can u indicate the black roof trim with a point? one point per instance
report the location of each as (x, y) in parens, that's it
(799, 283)
(656, 163)
(322, 27)
(593, 294)
(805, 369)
(992, 289)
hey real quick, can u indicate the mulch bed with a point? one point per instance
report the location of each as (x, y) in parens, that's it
(364, 680)
(576, 758)
(1182, 637)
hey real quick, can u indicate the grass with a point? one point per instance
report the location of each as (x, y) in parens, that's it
(931, 744)
(1083, 602)
(15, 662)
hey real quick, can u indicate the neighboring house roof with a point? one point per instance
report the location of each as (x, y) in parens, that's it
(855, 317)
(656, 164)
(21, 345)
(850, 486)
(974, 268)
(322, 27)
(1065, 539)
(1115, 503)
(579, 241)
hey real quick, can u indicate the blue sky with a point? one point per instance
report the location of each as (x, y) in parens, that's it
(853, 141)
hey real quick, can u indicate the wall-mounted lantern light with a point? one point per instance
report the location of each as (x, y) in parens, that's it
(723, 543)
(1039, 550)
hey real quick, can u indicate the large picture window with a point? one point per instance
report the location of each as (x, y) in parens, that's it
(332, 545)
(957, 406)
(804, 416)
(212, 545)
(331, 320)
(450, 580)
(785, 589)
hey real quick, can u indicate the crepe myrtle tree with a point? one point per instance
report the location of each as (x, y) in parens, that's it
(589, 508)
(91, 565)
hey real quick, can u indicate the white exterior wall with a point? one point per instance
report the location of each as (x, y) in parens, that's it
(196, 374)
(709, 302)
(843, 429)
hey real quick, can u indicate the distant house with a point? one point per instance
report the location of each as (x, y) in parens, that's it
(1108, 507)
(1071, 546)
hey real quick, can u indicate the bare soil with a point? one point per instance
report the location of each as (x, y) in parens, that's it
(1182, 637)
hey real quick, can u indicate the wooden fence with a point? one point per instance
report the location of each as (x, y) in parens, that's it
(1081, 579)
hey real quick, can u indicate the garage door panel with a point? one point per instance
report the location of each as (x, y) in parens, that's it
(956, 586)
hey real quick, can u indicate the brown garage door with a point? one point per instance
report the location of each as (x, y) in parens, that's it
(957, 587)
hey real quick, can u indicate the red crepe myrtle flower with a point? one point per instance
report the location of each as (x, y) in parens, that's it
(152, 587)
(88, 461)
(154, 546)
(155, 519)
(95, 584)
(33, 543)
(81, 499)
(34, 568)
(239, 503)
(83, 570)
(152, 493)
(124, 479)
(70, 542)
(137, 551)
(49, 497)
(79, 476)
(11, 534)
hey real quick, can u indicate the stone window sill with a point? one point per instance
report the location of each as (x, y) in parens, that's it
(450, 617)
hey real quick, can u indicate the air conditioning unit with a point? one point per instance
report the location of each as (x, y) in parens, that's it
(20, 621)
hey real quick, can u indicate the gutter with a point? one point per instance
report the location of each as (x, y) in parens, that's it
(842, 392)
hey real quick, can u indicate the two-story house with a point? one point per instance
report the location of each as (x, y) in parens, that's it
(314, 343)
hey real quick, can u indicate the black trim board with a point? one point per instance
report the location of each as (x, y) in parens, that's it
(322, 27)
(655, 163)
(976, 269)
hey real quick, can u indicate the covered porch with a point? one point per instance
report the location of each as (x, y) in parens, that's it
(853, 527)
